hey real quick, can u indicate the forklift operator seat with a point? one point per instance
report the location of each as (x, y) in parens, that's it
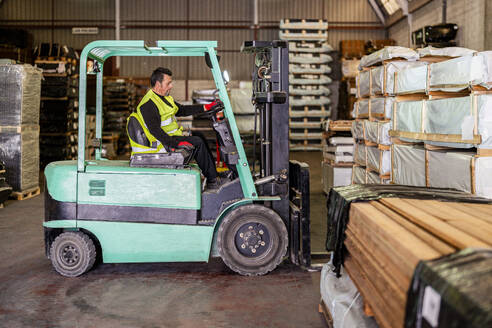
(174, 159)
(135, 132)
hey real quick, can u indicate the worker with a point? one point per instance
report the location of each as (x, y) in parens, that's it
(156, 114)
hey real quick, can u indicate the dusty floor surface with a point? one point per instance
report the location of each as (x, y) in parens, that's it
(32, 294)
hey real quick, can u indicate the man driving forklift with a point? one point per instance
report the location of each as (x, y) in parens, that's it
(153, 128)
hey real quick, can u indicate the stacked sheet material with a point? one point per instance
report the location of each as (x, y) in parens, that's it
(462, 72)
(361, 108)
(358, 130)
(19, 150)
(377, 132)
(360, 154)
(450, 52)
(374, 178)
(408, 165)
(469, 173)
(412, 79)
(378, 160)
(461, 122)
(381, 108)
(20, 92)
(452, 75)
(334, 176)
(359, 174)
(339, 150)
(388, 53)
(383, 77)
(363, 82)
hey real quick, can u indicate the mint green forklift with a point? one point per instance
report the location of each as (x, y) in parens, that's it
(151, 207)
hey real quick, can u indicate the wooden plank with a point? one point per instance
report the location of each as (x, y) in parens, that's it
(481, 211)
(392, 262)
(461, 220)
(323, 309)
(445, 231)
(369, 293)
(427, 237)
(376, 269)
(409, 246)
(387, 289)
(484, 152)
(452, 138)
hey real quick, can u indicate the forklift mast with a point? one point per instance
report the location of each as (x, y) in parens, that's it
(289, 180)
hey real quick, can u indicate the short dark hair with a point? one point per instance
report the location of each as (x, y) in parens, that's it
(158, 75)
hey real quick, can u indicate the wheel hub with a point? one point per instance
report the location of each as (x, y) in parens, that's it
(252, 239)
(70, 255)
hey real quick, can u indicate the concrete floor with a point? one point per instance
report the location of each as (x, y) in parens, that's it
(32, 294)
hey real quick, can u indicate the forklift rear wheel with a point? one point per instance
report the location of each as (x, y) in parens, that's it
(72, 254)
(252, 240)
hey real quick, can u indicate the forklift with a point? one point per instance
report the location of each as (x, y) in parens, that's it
(100, 208)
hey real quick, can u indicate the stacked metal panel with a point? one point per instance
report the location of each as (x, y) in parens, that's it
(19, 125)
(309, 91)
(338, 154)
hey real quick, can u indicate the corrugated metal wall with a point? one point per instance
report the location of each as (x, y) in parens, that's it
(227, 21)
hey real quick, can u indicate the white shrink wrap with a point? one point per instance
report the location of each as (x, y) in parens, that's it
(360, 154)
(408, 165)
(381, 107)
(359, 174)
(357, 129)
(363, 84)
(388, 53)
(412, 79)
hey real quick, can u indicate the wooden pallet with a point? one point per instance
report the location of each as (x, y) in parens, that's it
(26, 194)
(323, 309)
(387, 238)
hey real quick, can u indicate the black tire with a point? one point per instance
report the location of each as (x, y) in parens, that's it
(252, 227)
(72, 254)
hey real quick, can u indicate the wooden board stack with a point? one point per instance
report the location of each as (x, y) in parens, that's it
(338, 148)
(308, 80)
(387, 238)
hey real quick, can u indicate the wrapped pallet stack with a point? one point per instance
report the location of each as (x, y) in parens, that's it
(309, 82)
(20, 90)
(59, 103)
(338, 158)
(443, 113)
(373, 112)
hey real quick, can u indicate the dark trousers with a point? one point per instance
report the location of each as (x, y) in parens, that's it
(203, 156)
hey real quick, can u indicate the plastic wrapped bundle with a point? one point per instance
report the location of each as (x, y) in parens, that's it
(408, 116)
(412, 79)
(452, 291)
(19, 150)
(469, 173)
(408, 165)
(359, 175)
(363, 84)
(460, 73)
(360, 154)
(383, 77)
(382, 108)
(20, 94)
(343, 300)
(361, 108)
(388, 53)
(241, 101)
(357, 129)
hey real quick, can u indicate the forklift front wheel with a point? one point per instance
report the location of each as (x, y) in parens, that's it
(72, 254)
(252, 240)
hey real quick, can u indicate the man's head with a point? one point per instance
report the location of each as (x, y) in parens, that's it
(161, 81)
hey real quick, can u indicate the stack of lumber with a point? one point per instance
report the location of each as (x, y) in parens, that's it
(309, 91)
(338, 148)
(387, 238)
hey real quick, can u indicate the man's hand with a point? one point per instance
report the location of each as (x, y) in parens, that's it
(213, 105)
(185, 145)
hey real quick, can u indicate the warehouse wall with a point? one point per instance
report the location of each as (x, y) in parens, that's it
(468, 14)
(227, 21)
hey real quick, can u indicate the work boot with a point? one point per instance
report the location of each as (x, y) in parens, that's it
(214, 184)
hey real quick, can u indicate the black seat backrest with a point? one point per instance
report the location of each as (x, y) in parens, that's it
(136, 132)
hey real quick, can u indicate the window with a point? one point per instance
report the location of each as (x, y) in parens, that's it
(390, 6)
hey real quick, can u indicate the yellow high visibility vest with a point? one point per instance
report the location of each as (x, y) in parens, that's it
(168, 123)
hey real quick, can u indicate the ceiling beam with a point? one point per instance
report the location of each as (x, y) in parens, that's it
(377, 11)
